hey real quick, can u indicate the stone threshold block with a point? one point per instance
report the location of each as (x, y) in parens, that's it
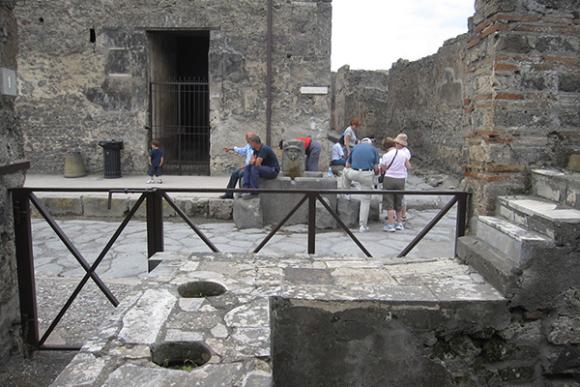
(494, 266)
(213, 319)
(517, 244)
(560, 187)
(248, 213)
(276, 206)
(553, 220)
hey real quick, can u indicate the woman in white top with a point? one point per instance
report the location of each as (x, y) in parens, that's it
(395, 164)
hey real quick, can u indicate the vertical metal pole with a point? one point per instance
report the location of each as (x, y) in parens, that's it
(154, 202)
(461, 217)
(25, 269)
(179, 128)
(311, 223)
(269, 49)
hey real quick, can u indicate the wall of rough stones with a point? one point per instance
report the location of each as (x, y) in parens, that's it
(426, 102)
(75, 93)
(362, 94)
(10, 150)
(423, 99)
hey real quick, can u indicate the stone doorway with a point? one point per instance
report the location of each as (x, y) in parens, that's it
(179, 99)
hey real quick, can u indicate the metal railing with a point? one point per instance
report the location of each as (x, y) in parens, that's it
(153, 198)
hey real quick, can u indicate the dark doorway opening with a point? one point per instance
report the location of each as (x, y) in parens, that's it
(179, 99)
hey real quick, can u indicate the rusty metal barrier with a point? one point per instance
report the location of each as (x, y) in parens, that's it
(153, 197)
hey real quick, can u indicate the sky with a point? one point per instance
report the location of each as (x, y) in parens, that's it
(373, 34)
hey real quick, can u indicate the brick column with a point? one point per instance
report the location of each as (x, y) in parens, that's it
(523, 93)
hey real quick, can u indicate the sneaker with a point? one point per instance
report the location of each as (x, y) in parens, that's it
(159, 181)
(227, 196)
(389, 228)
(363, 229)
(399, 226)
(150, 181)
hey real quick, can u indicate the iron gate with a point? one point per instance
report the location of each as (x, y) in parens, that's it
(180, 120)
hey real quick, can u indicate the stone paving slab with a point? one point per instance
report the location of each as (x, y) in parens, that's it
(235, 326)
(127, 258)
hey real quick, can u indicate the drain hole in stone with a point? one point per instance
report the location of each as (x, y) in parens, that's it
(200, 289)
(180, 355)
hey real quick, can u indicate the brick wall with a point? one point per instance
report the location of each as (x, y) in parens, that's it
(490, 104)
(523, 61)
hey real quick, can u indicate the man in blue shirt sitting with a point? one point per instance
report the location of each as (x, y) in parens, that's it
(264, 164)
(360, 167)
(248, 153)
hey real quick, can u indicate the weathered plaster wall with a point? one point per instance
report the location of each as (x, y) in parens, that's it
(75, 93)
(361, 94)
(10, 150)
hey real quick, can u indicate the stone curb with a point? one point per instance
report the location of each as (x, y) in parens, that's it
(95, 206)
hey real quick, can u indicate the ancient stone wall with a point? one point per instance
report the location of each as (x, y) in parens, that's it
(10, 150)
(492, 103)
(361, 94)
(426, 102)
(422, 98)
(523, 92)
(75, 92)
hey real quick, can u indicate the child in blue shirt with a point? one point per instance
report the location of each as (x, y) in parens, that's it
(156, 158)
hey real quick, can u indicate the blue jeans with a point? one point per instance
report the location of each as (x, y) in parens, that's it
(338, 162)
(154, 170)
(313, 156)
(252, 175)
(236, 176)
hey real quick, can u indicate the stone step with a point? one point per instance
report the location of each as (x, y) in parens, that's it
(561, 187)
(494, 266)
(554, 220)
(517, 244)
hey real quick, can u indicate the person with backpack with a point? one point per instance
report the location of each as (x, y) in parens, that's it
(395, 164)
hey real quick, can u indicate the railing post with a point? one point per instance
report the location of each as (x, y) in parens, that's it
(461, 224)
(25, 268)
(312, 223)
(154, 203)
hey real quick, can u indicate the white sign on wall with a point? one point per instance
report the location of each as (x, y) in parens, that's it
(7, 81)
(314, 90)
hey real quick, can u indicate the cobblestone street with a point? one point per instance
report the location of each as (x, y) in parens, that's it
(58, 272)
(128, 256)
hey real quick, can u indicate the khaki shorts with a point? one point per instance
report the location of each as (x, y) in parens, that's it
(393, 201)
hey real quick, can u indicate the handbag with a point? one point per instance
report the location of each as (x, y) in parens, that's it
(382, 176)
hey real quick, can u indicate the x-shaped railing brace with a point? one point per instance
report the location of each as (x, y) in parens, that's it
(89, 269)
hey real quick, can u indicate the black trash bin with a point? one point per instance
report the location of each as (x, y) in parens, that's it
(112, 158)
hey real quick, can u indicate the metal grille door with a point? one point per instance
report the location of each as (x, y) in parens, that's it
(180, 120)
